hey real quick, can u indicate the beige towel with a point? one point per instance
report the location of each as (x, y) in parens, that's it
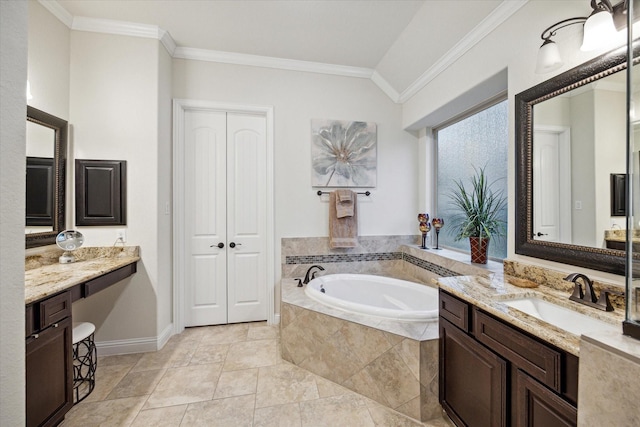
(344, 203)
(343, 232)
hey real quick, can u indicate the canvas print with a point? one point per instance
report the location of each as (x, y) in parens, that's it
(343, 153)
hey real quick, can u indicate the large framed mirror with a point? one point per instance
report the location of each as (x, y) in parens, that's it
(46, 149)
(570, 138)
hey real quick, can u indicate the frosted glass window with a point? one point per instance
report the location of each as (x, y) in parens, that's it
(479, 140)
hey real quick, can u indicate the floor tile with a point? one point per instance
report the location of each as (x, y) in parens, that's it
(119, 359)
(236, 383)
(347, 410)
(117, 412)
(107, 377)
(185, 385)
(170, 416)
(251, 354)
(171, 356)
(204, 354)
(140, 383)
(225, 334)
(263, 332)
(278, 416)
(233, 411)
(284, 383)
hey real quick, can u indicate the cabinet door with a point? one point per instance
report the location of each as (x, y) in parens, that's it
(537, 406)
(49, 375)
(473, 380)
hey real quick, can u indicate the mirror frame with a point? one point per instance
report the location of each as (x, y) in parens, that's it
(602, 259)
(59, 126)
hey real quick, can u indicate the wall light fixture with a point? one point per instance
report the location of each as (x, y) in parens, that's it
(600, 27)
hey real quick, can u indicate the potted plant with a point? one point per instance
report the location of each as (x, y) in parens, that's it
(479, 218)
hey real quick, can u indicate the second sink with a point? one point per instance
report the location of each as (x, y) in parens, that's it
(561, 317)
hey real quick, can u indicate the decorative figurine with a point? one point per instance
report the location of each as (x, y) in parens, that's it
(437, 223)
(425, 227)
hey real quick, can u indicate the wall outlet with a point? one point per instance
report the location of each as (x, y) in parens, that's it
(121, 235)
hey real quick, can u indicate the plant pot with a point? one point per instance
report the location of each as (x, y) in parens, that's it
(479, 249)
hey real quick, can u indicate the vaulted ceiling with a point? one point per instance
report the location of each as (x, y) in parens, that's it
(397, 43)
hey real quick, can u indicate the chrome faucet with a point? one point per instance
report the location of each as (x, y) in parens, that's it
(310, 276)
(589, 295)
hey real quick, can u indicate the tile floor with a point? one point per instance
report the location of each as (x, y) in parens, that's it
(229, 375)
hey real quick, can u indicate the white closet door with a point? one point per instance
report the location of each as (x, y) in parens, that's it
(546, 195)
(205, 218)
(246, 217)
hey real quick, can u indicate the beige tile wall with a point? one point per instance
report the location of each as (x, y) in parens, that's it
(397, 372)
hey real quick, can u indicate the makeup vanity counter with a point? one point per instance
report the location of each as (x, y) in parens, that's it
(44, 276)
(50, 289)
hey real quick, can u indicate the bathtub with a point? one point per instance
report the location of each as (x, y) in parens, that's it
(376, 296)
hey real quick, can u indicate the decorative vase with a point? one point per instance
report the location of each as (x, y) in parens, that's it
(479, 249)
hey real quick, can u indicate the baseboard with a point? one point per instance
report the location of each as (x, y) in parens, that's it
(135, 345)
(165, 335)
(276, 319)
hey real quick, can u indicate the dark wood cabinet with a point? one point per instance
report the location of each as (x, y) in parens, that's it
(493, 374)
(473, 381)
(49, 361)
(537, 406)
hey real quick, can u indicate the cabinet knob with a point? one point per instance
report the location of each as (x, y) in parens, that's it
(36, 336)
(55, 325)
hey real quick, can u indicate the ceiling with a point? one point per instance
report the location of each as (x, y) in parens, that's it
(399, 39)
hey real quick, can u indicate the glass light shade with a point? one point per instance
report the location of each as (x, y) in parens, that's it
(599, 31)
(548, 57)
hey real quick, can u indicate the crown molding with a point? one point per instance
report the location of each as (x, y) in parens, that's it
(493, 20)
(490, 23)
(58, 11)
(270, 62)
(384, 86)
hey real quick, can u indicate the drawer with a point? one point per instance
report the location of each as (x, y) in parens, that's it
(54, 309)
(454, 310)
(536, 359)
(96, 285)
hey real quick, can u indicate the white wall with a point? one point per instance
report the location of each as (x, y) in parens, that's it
(13, 110)
(297, 98)
(48, 63)
(114, 114)
(513, 45)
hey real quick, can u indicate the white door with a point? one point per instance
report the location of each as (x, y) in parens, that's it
(225, 225)
(551, 186)
(246, 217)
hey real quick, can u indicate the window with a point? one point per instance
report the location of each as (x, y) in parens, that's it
(479, 140)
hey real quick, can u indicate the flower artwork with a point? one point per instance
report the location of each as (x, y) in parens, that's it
(343, 154)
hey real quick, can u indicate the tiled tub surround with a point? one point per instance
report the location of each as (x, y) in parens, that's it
(390, 362)
(45, 276)
(394, 363)
(392, 256)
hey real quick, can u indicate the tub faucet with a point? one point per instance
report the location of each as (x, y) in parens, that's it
(310, 276)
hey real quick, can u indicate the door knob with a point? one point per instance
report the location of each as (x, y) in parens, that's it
(220, 245)
(539, 234)
(233, 245)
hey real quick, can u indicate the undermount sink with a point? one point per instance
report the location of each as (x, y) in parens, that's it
(561, 317)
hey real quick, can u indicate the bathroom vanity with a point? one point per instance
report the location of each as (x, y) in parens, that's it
(502, 365)
(494, 374)
(50, 290)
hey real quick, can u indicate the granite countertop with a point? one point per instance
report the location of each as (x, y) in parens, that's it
(44, 277)
(489, 295)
